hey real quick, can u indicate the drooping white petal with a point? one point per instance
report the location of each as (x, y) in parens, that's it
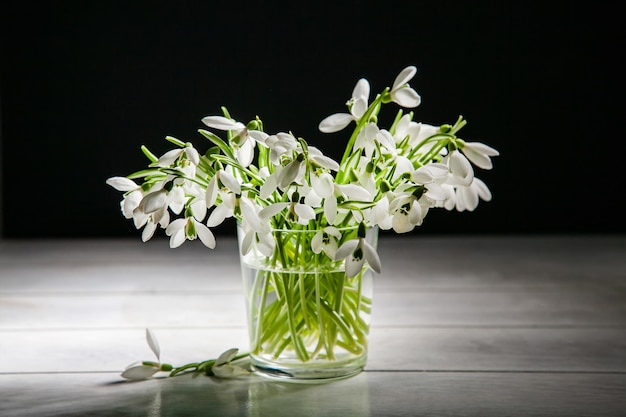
(415, 214)
(258, 136)
(312, 199)
(272, 210)
(481, 188)
(169, 157)
(435, 192)
(139, 372)
(153, 201)
(406, 97)
(219, 214)
(404, 77)
(178, 238)
(205, 235)
(289, 174)
(330, 209)
(221, 123)
(304, 212)
(403, 164)
(401, 223)
(317, 156)
(245, 153)
(266, 244)
(479, 154)
(346, 249)
(361, 89)
(461, 168)
(354, 265)
(247, 241)
(323, 184)
(153, 343)
(250, 215)
(229, 371)
(148, 231)
(226, 356)
(355, 192)
(384, 138)
(422, 175)
(122, 184)
(371, 256)
(469, 196)
(211, 192)
(335, 122)
(268, 187)
(478, 159)
(193, 155)
(359, 107)
(199, 209)
(230, 181)
(317, 241)
(130, 203)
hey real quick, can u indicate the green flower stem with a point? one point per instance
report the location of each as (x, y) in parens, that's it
(259, 324)
(372, 110)
(204, 366)
(295, 337)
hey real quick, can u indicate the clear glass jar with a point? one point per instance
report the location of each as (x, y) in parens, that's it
(307, 320)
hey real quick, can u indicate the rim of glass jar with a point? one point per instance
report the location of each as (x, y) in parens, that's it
(341, 229)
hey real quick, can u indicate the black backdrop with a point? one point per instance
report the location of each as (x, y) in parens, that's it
(84, 84)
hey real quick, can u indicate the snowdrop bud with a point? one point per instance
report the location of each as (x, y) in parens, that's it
(362, 230)
(419, 191)
(445, 128)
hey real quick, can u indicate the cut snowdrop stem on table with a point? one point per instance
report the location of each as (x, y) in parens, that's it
(221, 367)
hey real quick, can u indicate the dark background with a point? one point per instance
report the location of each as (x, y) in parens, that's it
(84, 84)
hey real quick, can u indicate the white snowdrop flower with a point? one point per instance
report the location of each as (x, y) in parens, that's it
(292, 173)
(431, 173)
(366, 139)
(467, 197)
(357, 106)
(224, 210)
(122, 184)
(244, 139)
(356, 252)
(280, 144)
(144, 370)
(401, 93)
(326, 240)
(223, 368)
(182, 229)
(406, 213)
(298, 211)
(479, 154)
(461, 171)
(316, 156)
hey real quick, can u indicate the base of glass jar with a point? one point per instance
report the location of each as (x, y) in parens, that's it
(311, 372)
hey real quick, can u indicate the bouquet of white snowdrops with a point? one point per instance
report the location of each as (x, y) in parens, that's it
(304, 220)
(387, 178)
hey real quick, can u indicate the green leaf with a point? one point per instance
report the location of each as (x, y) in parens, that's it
(175, 141)
(218, 141)
(144, 173)
(152, 157)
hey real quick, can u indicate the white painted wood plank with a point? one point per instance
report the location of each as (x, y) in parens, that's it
(390, 349)
(390, 308)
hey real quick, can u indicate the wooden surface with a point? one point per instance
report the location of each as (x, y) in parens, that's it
(462, 326)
